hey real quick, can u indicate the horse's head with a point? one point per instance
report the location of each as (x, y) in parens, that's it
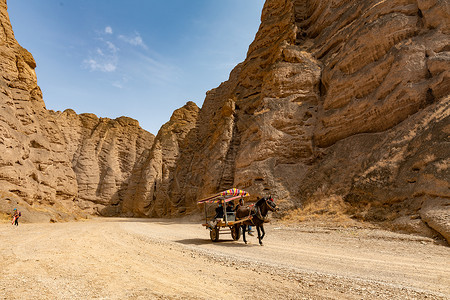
(271, 204)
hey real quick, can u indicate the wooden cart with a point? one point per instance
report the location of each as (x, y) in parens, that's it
(227, 224)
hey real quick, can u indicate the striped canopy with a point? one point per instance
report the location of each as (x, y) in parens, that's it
(235, 192)
(225, 196)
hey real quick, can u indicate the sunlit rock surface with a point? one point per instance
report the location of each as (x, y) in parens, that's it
(57, 165)
(343, 99)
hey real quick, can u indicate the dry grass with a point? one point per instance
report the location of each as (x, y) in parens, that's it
(4, 218)
(328, 210)
(333, 211)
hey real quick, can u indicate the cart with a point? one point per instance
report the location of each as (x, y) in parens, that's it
(227, 224)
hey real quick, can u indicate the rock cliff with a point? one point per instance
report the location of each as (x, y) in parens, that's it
(103, 154)
(57, 165)
(340, 99)
(150, 191)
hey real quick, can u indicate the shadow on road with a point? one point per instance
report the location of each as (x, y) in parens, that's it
(147, 220)
(224, 243)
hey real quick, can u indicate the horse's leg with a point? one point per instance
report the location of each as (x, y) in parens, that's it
(263, 232)
(244, 229)
(259, 235)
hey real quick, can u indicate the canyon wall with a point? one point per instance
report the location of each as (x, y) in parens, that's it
(149, 194)
(345, 100)
(104, 154)
(57, 165)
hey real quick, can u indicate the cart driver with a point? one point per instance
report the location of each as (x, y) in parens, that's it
(250, 229)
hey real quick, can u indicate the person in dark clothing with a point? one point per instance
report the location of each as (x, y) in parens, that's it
(219, 215)
(230, 206)
(219, 212)
(231, 212)
(241, 203)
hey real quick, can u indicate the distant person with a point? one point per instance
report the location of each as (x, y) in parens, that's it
(16, 215)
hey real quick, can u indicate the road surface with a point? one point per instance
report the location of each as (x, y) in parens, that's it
(175, 259)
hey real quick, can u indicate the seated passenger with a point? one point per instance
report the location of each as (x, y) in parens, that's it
(219, 215)
(219, 212)
(230, 206)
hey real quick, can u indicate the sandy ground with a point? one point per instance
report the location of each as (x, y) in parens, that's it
(174, 259)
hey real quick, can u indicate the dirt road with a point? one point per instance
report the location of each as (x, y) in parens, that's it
(166, 259)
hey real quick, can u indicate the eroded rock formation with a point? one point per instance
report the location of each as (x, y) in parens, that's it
(57, 165)
(149, 193)
(348, 99)
(103, 154)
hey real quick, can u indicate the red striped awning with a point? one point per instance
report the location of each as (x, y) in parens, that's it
(225, 196)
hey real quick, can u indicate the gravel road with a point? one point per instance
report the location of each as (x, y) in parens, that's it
(174, 259)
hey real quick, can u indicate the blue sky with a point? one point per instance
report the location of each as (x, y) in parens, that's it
(137, 58)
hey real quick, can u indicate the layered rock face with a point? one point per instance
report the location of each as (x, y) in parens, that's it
(348, 99)
(103, 154)
(149, 193)
(57, 165)
(33, 162)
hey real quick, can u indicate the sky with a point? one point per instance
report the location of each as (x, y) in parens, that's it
(137, 58)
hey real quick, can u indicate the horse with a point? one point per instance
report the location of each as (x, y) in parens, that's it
(257, 216)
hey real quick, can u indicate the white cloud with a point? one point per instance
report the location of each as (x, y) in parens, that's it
(120, 83)
(102, 66)
(104, 58)
(117, 84)
(135, 40)
(155, 69)
(136, 60)
(112, 47)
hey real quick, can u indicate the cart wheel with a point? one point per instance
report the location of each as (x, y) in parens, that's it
(236, 232)
(214, 234)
